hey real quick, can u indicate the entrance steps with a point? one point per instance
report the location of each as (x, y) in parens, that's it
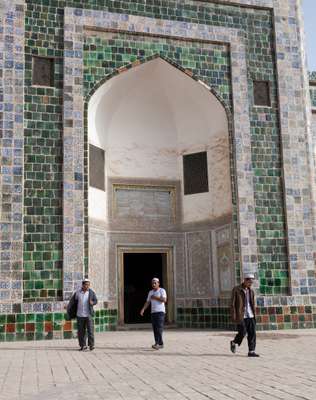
(139, 327)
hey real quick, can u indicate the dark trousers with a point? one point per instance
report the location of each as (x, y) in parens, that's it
(85, 326)
(157, 320)
(247, 327)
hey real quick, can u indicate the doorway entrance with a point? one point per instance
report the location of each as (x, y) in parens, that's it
(138, 267)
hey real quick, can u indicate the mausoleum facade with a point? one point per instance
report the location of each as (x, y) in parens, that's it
(155, 138)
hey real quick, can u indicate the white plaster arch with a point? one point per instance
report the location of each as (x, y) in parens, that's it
(146, 119)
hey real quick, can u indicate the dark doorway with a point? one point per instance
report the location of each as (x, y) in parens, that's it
(139, 269)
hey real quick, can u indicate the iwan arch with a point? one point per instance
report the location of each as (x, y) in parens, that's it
(147, 120)
(200, 116)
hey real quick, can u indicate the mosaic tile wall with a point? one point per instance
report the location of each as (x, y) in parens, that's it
(43, 239)
(286, 317)
(297, 186)
(43, 159)
(297, 147)
(76, 19)
(267, 164)
(11, 150)
(46, 326)
(43, 162)
(107, 51)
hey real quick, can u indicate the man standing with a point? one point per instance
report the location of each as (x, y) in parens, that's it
(243, 314)
(157, 297)
(82, 302)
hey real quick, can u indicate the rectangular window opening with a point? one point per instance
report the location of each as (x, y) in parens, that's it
(261, 93)
(195, 174)
(43, 71)
(96, 167)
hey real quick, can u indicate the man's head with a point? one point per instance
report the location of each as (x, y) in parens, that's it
(248, 280)
(155, 283)
(85, 284)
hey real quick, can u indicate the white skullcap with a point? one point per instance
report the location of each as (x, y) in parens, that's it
(249, 276)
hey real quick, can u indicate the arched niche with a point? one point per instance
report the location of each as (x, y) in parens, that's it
(146, 119)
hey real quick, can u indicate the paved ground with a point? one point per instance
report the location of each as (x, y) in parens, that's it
(195, 365)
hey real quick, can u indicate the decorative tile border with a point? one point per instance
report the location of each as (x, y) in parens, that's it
(248, 3)
(296, 146)
(268, 318)
(11, 149)
(281, 313)
(75, 22)
(45, 326)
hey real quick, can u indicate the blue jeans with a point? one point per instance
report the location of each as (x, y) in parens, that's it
(157, 320)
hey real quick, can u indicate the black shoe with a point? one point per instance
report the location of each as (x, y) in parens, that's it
(232, 346)
(83, 348)
(253, 354)
(91, 348)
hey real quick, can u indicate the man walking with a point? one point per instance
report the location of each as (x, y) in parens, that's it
(81, 304)
(243, 314)
(157, 298)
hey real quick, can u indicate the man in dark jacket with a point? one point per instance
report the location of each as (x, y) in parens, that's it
(81, 305)
(244, 315)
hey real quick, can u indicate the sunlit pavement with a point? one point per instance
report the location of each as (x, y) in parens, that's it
(193, 365)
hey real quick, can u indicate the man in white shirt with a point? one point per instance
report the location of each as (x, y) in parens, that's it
(243, 314)
(157, 298)
(81, 305)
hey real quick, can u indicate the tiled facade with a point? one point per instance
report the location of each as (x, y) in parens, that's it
(225, 45)
(278, 317)
(45, 326)
(11, 145)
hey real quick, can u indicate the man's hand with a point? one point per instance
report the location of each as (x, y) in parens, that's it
(91, 303)
(142, 312)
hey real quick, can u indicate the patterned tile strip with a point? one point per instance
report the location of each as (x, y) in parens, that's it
(296, 162)
(45, 326)
(11, 147)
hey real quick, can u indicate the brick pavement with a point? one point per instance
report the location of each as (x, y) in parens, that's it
(193, 365)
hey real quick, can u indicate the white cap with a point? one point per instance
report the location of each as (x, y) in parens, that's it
(249, 276)
(86, 280)
(155, 280)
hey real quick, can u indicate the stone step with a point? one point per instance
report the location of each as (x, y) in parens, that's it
(138, 327)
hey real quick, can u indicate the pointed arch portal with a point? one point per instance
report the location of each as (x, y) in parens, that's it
(148, 121)
(176, 112)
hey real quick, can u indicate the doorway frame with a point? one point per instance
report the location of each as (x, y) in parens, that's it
(168, 252)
